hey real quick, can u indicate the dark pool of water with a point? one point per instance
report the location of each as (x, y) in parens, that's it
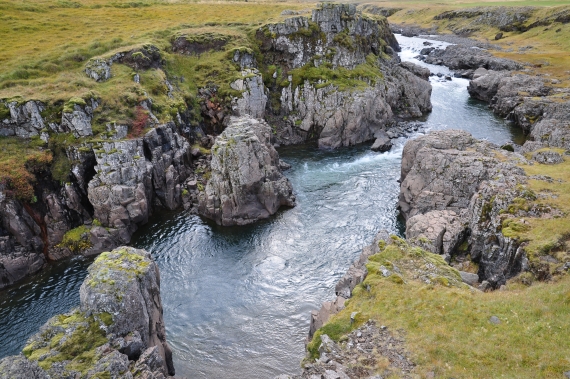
(237, 299)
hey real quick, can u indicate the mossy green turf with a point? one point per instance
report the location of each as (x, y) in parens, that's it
(446, 325)
(78, 346)
(126, 264)
(77, 240)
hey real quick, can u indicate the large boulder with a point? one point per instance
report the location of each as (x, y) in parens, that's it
(246, 182)
(117, 332)
(485, 84)
(125, 283)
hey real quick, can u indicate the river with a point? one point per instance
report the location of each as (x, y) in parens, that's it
(237, 299)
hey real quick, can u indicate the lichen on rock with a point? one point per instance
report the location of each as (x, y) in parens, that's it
(119, 321)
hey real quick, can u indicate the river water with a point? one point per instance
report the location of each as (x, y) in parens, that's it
(237, 299)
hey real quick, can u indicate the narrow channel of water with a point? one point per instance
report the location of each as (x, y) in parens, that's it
(237, 300)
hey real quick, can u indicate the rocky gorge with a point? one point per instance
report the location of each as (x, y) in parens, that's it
(463, 199)
(333, 78)
(465, 202)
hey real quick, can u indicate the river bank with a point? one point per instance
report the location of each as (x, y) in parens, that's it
(399, 270)
(279, 282)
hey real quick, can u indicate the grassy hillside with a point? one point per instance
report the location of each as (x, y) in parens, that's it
(45, 44)
(449, 329)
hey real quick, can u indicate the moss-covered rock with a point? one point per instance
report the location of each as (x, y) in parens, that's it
(120, 319)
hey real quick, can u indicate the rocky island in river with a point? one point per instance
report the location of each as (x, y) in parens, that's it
(99, 138)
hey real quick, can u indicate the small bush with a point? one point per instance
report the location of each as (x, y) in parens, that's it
(140, 122)
(76, 239)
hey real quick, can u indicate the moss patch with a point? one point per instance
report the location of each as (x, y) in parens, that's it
(77, 240)
(77, 346)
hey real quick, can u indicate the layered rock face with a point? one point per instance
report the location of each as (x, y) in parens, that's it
(134, 175)
(26, 120)
(246, 182)
(118, 183)
(530, 103)
(453, 189)
(117, 332)
(338, 37)
(345, 118)
(30, 233)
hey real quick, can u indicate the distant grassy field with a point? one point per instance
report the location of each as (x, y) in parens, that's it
(466, 3)
(550, 45)
(46, 43)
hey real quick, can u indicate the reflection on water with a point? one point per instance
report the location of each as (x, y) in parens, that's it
(237, 299)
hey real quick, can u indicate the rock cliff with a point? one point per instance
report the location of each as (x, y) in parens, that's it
(118, 330)
(453, 188)
(133, 176)
(331, 78)
(246, 182)
(111, 188)
(530, 102)
(338, 80)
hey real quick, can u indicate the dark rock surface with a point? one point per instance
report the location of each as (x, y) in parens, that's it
(246, 182)
(134, 175)
(117, 332)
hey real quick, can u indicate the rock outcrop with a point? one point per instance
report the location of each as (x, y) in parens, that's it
(27, 120)
(254, 94)
(143, 58)
(30, 232)
(453, 189)
(133, 176)
(118, 331)
(347, 118)
(337, 37)
(458, 57)
(246, 182)
(530, 103)
(111, 188)
(358, 356)
(23, 119)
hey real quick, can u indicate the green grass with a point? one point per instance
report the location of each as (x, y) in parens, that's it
(447, 328)
(362, 76)
(545, 235)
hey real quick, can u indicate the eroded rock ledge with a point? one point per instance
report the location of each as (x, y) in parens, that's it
(453, 188)
(117, 332)
(246, 183)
